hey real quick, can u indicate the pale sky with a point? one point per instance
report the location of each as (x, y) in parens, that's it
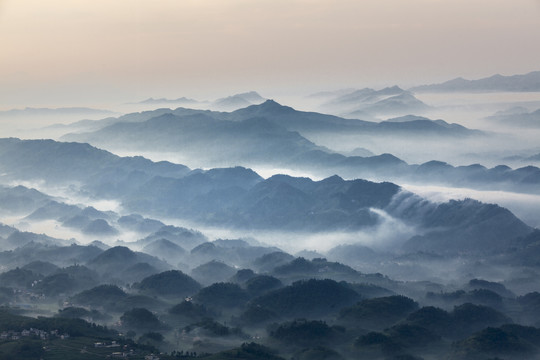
(82, 52)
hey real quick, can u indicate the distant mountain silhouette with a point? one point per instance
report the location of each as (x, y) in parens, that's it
(237, 101)
(517, 117)
(366, 102)
(81, 112)
(517, 83)
(179, 101)
(269, 134)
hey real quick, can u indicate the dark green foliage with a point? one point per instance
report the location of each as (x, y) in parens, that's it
(308, 298)
(405, 357)
(257, 315)
(269, 261)
(317, 353)
(530, 300)
(377, 342)
(73, 327)
(247, 351)
(6, 295)
(432, 318)
(112, 298)
(60, 255)
(114, 262)
(212, 272)
(485, 297)
(212, 328)
(57, 284)
(372, 338)
(137, 272)
(189, 309)
(303, 332)
(378, 313)
(154, 336)
(169, 283)
(261, 284)
(369, 291)
(242, 276)
(140, 318)
(81, 313)
(44, 268)
(100, 296)
(222, 295)
(316, 268)
(132, 301)
(468, 226)
(81, 273)
(397, 338)
(412, 335)
(464, 319)
(479, 296)
(468, 318)
(22, 350)
(446, 297)
(297, 266)
(527, 333)
(492, 341)
(151, 338)
(530, 308)
(19, 278)
(490, 285)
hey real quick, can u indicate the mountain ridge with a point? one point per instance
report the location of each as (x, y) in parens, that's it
(529, 82)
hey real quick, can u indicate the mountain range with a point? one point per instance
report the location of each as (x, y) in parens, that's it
(240, 198)
(513, 83)
(58, 112)
(367, 103)
(517, 117)
(228, 103)
(274, 135)
(237, 101)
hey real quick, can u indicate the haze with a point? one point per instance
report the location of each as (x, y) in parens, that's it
(61, 52)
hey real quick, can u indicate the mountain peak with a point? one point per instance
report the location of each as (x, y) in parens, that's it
(269, 106)
(270, 103)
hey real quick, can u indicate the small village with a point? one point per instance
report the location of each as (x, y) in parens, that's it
(41, 334)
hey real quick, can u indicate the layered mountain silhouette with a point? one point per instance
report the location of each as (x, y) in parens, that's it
(161, 101)
(524, 82)
(240, 198)
(274, 135)
(237, 101)
(71, 112)
(517, 117)
(367, 102)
